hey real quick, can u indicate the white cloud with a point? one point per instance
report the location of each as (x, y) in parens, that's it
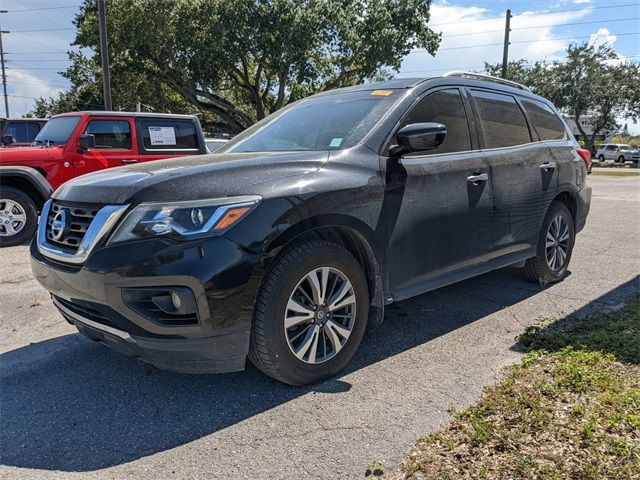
(602, 36)
(462, 27)
(24, 88)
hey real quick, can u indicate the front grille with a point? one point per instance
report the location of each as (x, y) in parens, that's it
(78, 219)
(85, 311)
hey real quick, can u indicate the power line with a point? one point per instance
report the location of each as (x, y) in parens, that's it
(482, 66)
(76, 5)
(421, 50)
(34, 53)
(548, 12)
(44, 29)
(35, 82)
(31, 40)
(541, 26)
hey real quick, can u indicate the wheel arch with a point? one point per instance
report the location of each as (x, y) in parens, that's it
(350, 233)
(569, 199)
(29, 181)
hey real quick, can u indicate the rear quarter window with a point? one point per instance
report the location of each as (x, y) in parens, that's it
(544, 119)
(503, 123)
(171, 135)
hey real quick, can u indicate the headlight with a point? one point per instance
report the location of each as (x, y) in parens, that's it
(183, 220)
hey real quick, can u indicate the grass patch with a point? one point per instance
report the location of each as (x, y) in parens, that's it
(569, 409)
(616, 173)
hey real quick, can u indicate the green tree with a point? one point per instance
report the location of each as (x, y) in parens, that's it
(240, 60)
(590, 81)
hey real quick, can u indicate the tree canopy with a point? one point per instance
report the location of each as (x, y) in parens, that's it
(240, 60)
(591, 80)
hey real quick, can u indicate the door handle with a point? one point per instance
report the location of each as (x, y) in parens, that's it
(129, 160)
(547, 166)
(476, 179)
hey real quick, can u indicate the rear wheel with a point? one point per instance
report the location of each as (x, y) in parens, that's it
(621, 159)
(601, 158)
(555, 245)
(18, 217)
(310, 315)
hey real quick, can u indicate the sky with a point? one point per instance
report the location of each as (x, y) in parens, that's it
(41, 33)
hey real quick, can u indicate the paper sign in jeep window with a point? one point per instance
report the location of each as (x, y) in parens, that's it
(163, 135)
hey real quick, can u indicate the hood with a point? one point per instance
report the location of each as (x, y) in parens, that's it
(189, 178)
(20, 155)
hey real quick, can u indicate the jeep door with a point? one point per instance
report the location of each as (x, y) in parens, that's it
(438, 202)
(517, 172)
(114, 144)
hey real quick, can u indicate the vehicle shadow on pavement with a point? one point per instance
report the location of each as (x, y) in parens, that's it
(72, 405)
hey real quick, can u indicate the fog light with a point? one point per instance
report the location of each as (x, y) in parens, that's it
(175, 300)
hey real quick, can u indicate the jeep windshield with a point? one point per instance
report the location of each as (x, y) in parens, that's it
(57, 131)
(323, 122)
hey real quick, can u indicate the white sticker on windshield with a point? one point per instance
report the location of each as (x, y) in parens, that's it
(162, 135)
(335, 142)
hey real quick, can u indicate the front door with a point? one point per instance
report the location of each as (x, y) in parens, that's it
(115, 145)
(439, 215)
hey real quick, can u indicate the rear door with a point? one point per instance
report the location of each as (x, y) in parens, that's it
(440, 226)
(164, 137)
(517, 175)
(114, 144)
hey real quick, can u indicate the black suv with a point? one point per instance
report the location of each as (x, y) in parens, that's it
(283, 244)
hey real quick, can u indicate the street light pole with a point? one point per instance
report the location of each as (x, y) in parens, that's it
(4, 72)
(104, 54)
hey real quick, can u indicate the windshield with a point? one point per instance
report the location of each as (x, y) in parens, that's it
(57, 131)
(625, 147)
(325, 122)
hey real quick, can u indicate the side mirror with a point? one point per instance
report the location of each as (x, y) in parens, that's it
(7, 140)
(418, 137)
(87, 141)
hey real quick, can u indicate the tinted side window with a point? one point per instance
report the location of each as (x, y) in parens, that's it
(545, 121)
(446, 107)
(23, 132)
(502, 122)
(111, 133)
(168, 135)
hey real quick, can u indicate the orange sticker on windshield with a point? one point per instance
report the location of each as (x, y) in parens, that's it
(382, 93)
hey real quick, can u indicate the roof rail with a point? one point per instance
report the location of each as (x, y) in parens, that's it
(488, 78)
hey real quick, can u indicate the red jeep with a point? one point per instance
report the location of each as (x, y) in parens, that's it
(72, 144)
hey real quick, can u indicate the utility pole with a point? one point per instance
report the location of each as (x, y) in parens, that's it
(104, 54)
(4, 72)
(505, 51)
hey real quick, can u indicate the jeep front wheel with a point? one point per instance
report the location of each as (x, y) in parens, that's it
(18, 217)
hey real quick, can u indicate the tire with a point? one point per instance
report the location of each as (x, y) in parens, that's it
(14, 203)
(621, 159)
(601, 158)
(538, 268)
(272, 346)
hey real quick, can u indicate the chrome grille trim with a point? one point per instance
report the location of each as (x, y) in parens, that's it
(102, 223)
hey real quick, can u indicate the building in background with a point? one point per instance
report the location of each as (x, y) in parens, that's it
(587, 126)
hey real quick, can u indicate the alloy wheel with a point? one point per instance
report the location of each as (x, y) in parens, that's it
(320, 315)
(13, 218)
(557, 243)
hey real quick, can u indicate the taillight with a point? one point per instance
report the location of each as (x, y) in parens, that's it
(586, 157)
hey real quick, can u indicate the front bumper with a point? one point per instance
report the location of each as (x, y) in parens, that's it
(223, 276)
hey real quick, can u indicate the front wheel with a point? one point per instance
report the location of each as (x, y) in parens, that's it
(601, 158)
(621, 159)
(18, 217)
(555, 245)
(310, 315)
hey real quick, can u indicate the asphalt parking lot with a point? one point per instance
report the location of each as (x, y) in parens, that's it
(73, 409)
